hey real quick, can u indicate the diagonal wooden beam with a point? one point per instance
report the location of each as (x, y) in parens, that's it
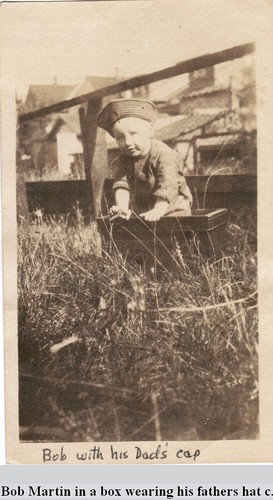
(138, 81)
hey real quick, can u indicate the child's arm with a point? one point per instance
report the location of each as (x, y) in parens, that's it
(160, 208)
(122, 198)
(122, 202)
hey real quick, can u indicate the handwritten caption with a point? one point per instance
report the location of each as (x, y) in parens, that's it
(98, 454)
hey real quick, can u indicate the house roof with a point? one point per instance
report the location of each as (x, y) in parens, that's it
(92, 83)
(212, 89)
(214, 97)
(162, 90)
(215, 101)
(185, 125)
(39, 96)
(176, 97)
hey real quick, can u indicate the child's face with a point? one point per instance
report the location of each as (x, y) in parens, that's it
(133, 136)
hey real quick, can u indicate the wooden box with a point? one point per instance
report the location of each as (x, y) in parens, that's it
(203, 231)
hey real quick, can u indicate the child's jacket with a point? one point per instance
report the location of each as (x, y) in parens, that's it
(160, 174)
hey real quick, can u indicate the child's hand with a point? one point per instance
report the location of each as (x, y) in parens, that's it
(157, 212)
(152, 215)
(116, 212)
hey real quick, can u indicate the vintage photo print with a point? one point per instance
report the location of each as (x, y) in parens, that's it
(136, 163)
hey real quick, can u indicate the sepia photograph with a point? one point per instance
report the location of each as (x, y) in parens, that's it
(136, 222)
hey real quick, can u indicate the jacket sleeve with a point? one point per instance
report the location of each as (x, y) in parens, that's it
(121, 180)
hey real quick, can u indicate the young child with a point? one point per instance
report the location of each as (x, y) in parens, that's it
(149, 178)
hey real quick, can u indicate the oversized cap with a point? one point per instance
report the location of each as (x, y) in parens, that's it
(124, 108)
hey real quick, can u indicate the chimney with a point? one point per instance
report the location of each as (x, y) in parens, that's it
(55, 80)
(116, 72)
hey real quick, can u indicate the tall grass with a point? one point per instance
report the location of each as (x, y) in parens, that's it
(109, 351)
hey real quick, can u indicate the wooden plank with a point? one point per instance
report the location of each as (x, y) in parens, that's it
(60, 196)
(138, 81)
(231, 133)
(57, 197)
(235, 183)
(217, 191)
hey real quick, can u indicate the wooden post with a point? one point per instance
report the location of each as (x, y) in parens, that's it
(21, 198)
(84, 143)
(94, 154)
(195, 156)
(21, 193)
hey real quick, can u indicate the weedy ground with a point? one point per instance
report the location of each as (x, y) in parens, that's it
(112, 351)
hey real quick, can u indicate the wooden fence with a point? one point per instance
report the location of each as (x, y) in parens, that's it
(218, 191)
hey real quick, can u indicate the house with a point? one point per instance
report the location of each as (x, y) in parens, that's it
(39, 96)
(92, 83)
(217, 127)
(54, 143)
(68, 131)
(32, 139)
(65, 133)
(159, 91)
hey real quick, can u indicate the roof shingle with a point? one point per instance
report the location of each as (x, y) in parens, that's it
(185, 126)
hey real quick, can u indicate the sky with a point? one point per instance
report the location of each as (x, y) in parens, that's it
(71, 40)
